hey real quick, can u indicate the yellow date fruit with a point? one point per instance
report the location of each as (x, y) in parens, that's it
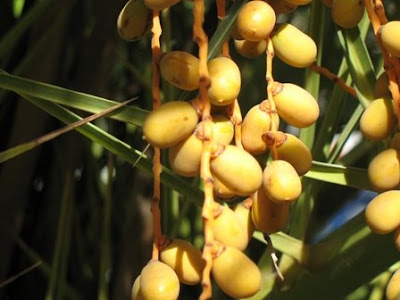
(170, 123)
(378, 120)
(136, 293)
(296, 153)
(158, 281)
(384, 170)
(294, 47)
(255, 21)
(257, 122)
(185, 259)
(382, 213)
(281, 181)
(181, 69)
(390, 37)
(242, 211)
(134, 20)
(267, 215)
(237, 169)
(250, 49)
(236, 274)
(221, 190)
(225, 81)
(184, 157)
(159, 4)
(223, 129)
(295, 105)
(227, 228)
(393, 287)
(347, 13)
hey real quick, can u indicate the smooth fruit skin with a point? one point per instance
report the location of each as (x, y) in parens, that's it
(184, 157)
(170, 123)
(238, 170)
(257, 122)
(181, 69)
(255, 21)
(390, 36)
(295, 105)
(159, 4)
(296, 153)
(384, 170)
(378, 120)
(136, 293)
(134, 20)
(228, 230)
(223, 129)
(225, 81)
(236, 274)
(294, 47)
(250, 49)
(281, 182)
(158, 281)
(185, 259)
(382, 213)
(347, 13)
(243, 214)
(267, 215)
(393, 287)
(221, 190)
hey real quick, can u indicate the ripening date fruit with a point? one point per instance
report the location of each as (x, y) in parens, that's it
(223, 129)
(390, 36)
(347, 13)
(378, 120)
(393, 287)
(281, 182)
(293, 150)
(382, 213)
(250, 49)
(294, 47)
(255, 20)
(159, 4)
(236, 274)
(134, 20)
(170, 123)
(384, 170)
(295, 105)
(181, 69)
(242, 212)
(237, 170)
(267, 215)
(227, 228)
(158, 281)
(136, 293)
(256, 122)
(185, 259)
(225, 81)
(221, 190)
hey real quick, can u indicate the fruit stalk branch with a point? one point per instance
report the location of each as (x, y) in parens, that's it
(201, 39)
(221, 14)
(155, 206)
(376, 14)
(331, 76)
(269, 79)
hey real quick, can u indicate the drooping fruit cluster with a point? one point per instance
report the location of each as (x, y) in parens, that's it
(198, 141)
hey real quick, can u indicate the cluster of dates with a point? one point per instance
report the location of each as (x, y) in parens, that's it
(378, 123)
(235, 170)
